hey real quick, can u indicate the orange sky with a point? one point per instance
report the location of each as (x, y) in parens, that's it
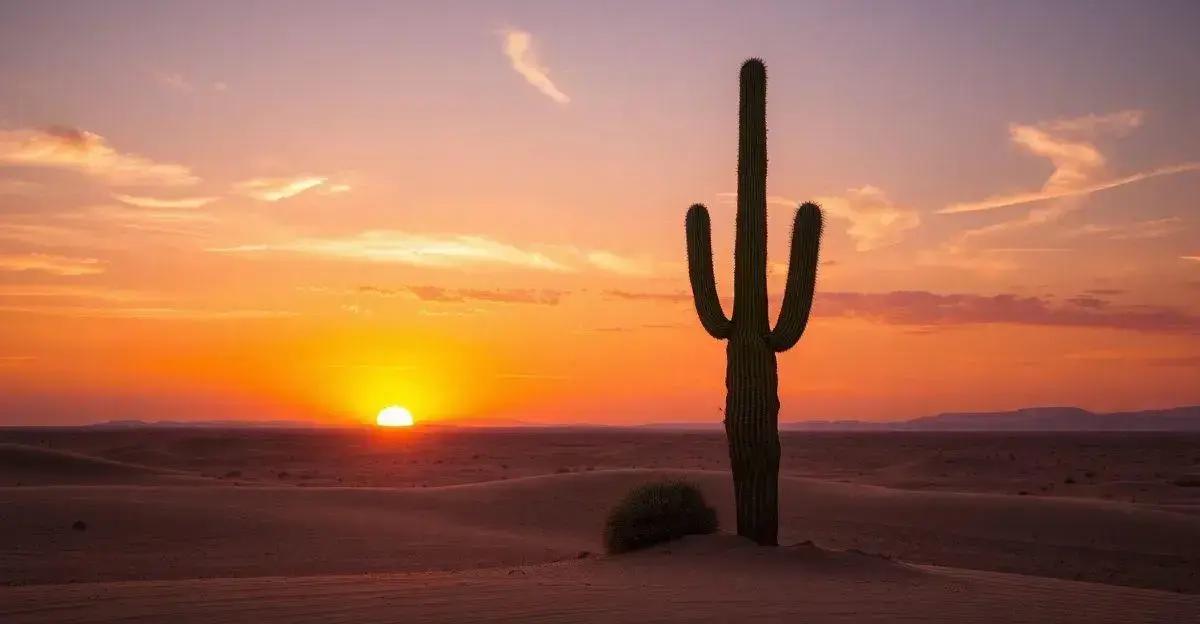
(478, 213)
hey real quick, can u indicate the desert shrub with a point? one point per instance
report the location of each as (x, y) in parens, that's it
(657, 512)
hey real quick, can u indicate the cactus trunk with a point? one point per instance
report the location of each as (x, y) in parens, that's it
(751, 375)
(752, 429)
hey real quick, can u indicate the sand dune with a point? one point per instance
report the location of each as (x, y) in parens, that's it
(154, 532)
(22, 464)
(714, 579)
(280, 540)
(1132, 467)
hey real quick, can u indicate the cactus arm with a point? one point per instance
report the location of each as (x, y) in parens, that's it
(801, 278)
(700, 271)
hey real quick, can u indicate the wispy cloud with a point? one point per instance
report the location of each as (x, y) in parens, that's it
(1079, 166)
(618, 264)
(413, 249)
(47, 263)
(931, 310)
(78, 150)
(873, 220)
(110, 226)
(1017, 199)
(455, 250)
(539, 296)
(1195, 258)
(156, 202)
(276, 189)
(1138, 230)
(659, 297)
(518, 46)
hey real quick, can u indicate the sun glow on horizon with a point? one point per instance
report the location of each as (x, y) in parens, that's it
(394, 416)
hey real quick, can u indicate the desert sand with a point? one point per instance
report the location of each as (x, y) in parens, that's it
(443, 525)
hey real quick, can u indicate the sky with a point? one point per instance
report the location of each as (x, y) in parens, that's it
(311, 211)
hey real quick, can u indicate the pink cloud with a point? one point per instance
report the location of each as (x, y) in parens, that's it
(927, 309)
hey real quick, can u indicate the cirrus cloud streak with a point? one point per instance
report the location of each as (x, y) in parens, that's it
(454, 250)
(156, 202)
(52, 264)
(518, 47)
(277, 189)
(1069, 144)
(61, 147)
(438, 294)
(930, 310)
(412, 249)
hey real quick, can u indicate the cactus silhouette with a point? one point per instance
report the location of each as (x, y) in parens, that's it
(751, 374)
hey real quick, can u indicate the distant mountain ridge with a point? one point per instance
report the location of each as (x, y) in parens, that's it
(1185, 418)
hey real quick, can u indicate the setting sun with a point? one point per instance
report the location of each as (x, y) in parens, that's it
(394, 416)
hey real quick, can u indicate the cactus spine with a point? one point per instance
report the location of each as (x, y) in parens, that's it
(751, 374)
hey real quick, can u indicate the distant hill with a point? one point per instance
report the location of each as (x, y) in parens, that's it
(1026, 419)
(1062, 419)
(1185, 418)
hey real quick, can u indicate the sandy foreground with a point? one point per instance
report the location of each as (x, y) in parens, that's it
(713, 579)
(167, 543)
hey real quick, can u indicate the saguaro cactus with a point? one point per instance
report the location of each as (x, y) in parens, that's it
(751, 374)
